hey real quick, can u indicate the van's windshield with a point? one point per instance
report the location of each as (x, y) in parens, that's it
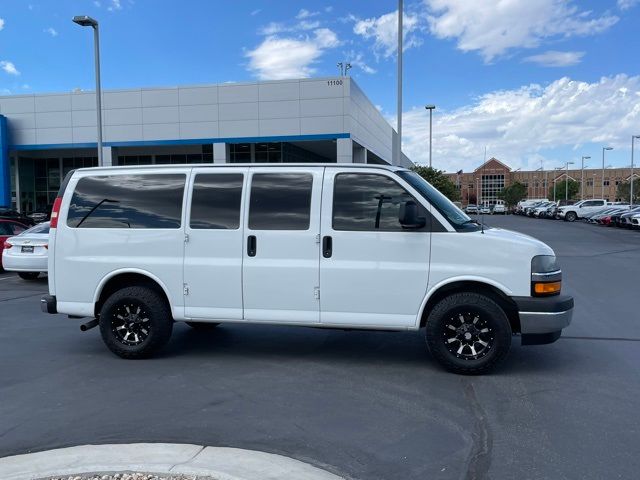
(456, 217)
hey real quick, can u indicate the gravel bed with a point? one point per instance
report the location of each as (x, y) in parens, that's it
(129, 476)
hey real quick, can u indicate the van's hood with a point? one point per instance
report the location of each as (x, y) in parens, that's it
(526, 242)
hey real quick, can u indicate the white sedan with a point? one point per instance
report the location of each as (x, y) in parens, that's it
(27, 253)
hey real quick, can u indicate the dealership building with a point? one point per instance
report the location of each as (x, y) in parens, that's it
(44, 136)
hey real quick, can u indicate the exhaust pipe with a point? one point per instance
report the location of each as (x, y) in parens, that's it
(89, 325)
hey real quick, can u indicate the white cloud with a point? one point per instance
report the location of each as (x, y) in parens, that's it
(51, 31)
(308, 24)
(279, 58)
(553, 58)
(358, 62)
(255, 12)
(519, 125)
(115, 5)
(494, 27)
(384, 31)
(97, 3)
(9, 67)
(304, 13)
(627, 4)
(1, 23)
(272, 28)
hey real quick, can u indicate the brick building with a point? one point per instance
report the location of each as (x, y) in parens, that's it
(485, 182)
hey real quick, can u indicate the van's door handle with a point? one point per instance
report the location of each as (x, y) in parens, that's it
(251, 246)
(327, 247)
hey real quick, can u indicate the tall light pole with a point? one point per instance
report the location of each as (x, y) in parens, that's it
(431, 108)
(566, 183)
(399, 106)
(535, 178)
(584, 157)
(633, 137)
(86, 21)
(603, 150)
(554, 183)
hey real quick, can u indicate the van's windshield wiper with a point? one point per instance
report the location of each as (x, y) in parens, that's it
(90, 212)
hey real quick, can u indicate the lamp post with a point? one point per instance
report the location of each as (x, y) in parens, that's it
(584, 157)
(535, 178)
(399, 86)
(86, 21)
(603, 150)
(431, 108)
(633, 137)
(566, 183)
(554, 183)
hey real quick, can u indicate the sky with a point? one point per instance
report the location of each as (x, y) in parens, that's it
(536, 82)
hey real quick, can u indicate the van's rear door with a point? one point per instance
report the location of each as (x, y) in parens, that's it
(213, 243)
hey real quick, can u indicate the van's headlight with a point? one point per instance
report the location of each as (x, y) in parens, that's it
(546, 276)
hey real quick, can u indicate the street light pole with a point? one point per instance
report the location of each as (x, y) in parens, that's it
(566, 184)
(86, 21)
(554, 184)
(430, 108)
(633, 137)
(399, 101)
(584, 157)
(603, 150)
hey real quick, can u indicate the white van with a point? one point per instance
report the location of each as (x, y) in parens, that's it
(322, 245)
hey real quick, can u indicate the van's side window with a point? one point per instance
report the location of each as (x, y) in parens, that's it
(127, 201)
(280, 201)
(368, 202)
(216, 201)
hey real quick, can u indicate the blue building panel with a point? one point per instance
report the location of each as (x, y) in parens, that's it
(5, 169)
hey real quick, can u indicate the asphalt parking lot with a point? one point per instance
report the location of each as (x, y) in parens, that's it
(365, 405)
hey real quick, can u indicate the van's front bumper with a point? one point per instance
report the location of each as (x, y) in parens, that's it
(543, 318)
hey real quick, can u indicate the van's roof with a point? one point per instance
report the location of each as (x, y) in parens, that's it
(392, 168)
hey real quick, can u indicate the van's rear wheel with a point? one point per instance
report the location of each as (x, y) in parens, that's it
(135, 322)
(468, 333)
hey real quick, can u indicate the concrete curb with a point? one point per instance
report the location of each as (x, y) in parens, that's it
(162, 458)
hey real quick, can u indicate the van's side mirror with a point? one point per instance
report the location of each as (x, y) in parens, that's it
(408, 216)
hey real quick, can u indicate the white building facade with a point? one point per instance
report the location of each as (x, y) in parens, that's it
(42, 137)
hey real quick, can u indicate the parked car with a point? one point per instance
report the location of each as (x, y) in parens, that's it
(599, 218)
(9, 228)
(635, 220)
(27, 252)
(616, 218)
(540, 211)
(334, 246)
(485, 210)
(625, 217)
(524, 204)
(471, 208)
(499, 208)
(571, 213)
(8, 214)
(552, 212)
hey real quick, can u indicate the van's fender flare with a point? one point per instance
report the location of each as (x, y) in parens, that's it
(463, 278)
(139, 271)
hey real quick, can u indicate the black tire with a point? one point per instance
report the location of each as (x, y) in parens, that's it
(571, 217)
(478, 312)
(123, 319)
(28, 275)
(202, 326)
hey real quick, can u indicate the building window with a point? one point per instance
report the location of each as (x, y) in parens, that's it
(268, 152)
(606, 182)
(589, 182)
(471, 186)
(240, 153)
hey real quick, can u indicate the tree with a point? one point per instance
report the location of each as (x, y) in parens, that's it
(513, 193)
(624, 190)
(574, 188)
(439, 180)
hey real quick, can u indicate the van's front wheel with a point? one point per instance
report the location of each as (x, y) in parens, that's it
(468, 333)
(135, 322)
